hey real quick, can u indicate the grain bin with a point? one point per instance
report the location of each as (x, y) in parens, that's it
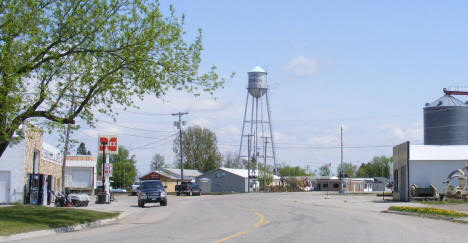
(446, 122)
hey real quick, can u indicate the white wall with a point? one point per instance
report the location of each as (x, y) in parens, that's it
(423, 173)
(91, 164)
(12, 160)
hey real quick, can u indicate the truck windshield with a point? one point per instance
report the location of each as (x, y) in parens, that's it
(151, 184)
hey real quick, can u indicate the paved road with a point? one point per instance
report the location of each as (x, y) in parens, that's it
(272, 217)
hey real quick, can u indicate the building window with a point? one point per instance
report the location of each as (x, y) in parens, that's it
(395, 180)
(325, 185)
(36, 162)
(336, 186)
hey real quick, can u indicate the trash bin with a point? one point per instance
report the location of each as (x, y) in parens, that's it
(101, 198)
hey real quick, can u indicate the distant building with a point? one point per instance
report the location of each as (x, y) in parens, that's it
(229, 180)
(167, 179)
(333, 183)
(189, 175)
(424, 165)
(30, 170)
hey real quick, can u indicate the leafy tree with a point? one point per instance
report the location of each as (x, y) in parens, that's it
(264, 173)
(292, 171)
(81, 150)
(200, 150)
(294, 184)
(378, 167)
(123, 165)
(253, 163)
(232, 161)
(158, 162)
(324, 170)
(64, 60)
(349, 170)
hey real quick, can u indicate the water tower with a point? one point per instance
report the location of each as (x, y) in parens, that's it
(257, 132)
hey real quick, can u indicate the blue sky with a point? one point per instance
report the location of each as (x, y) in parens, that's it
(367, 65)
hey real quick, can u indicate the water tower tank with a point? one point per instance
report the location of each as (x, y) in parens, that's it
(257, 82)
(446, 122)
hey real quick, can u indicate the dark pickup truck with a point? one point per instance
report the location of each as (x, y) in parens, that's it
(152, 192)
(188, 188)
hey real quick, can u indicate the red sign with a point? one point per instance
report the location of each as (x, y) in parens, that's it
(112, 145)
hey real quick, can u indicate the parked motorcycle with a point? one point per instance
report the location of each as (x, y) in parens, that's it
(71, 200)
(62, 201)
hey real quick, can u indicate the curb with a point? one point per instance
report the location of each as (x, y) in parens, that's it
(64, 229)
(447, 218)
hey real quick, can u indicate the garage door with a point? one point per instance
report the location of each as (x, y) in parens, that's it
(4, 186)
(81, 177)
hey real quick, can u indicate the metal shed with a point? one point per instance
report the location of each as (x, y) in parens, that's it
(424, 165)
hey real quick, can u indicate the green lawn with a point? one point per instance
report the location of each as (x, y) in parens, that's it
(429, 211)
(20, 219)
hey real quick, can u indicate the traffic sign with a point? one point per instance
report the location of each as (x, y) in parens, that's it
(107, 170)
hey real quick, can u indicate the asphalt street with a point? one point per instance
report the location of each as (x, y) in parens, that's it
(265, 217)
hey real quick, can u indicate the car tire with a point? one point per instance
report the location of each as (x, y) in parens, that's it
(142, 204)
(163, 203)
(178, 193)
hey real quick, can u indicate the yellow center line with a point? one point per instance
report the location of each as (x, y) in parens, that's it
(260, 222)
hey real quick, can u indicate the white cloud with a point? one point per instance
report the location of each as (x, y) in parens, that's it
(230, 130)
(209, 104)
(302, 66)
(327, 140)
(396, 133)
(202, 122)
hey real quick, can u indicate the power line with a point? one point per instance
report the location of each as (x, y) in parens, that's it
(143, 113)
(321, 147)
(133, 128)
(151, 143)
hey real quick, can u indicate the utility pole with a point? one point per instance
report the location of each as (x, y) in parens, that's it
(341, 170)
(179, 125)
(264, 164)
(104, 143)
(248, 161)
(65, 149)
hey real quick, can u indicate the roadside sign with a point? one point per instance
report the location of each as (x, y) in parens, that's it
(112, 143)
(107, 170)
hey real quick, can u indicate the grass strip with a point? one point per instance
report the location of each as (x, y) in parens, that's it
(444, 202)
(429, 211)
(21, 219)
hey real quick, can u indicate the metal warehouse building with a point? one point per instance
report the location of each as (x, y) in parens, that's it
(424, 165)
(227, 180)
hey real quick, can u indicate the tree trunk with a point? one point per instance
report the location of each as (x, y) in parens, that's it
(4, 144)
(3, 147)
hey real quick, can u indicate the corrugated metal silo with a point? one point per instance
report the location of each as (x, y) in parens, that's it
(446, 122)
